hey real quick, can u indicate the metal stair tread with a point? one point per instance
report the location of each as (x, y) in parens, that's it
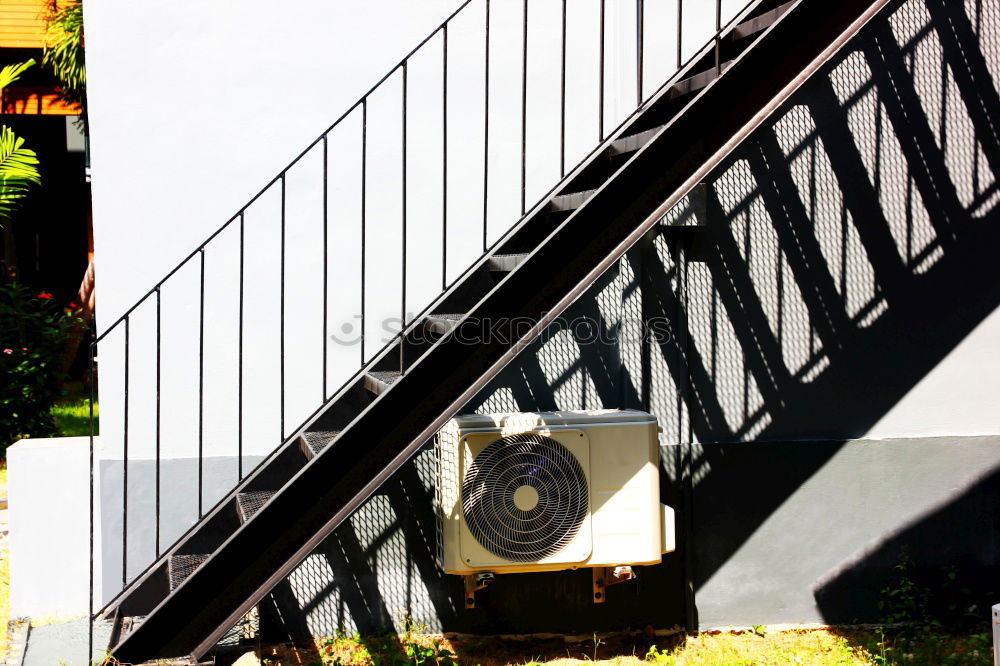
(633, 142)
(442, 323)
(505, 263)
(317, 440)
(250, 502)
(571, 201)
(379, 381)
(182, 566)
(698, 81)
(760, 22)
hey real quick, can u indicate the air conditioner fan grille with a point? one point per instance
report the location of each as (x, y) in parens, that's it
(511, 528)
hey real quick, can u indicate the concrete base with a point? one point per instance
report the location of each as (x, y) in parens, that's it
(48, 486)
(66, 643)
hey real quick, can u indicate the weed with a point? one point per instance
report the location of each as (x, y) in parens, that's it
(597, 643)
(660, 657)
(903, 601)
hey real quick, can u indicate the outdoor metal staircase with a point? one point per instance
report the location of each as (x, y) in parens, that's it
(202, 585)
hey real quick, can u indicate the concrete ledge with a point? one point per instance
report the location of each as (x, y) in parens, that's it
(48, 488)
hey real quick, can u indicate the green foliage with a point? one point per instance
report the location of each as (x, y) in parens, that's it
(843, 646)
(903, 601)
(64, 52)
(409, 648)
(11, 73)
(418, 654)
(660, 657)
(881, 655)
(900, 647)
(935, 600)
(18, 171)
(18, 164)
(597, 643)
(759, 630)
(34, 331)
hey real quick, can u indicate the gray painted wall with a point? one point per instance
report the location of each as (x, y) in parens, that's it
(137, 509)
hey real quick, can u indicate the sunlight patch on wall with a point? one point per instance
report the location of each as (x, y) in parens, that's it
(711, 332)
(560, 361)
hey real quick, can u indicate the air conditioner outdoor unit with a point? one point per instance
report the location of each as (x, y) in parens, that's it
(549, 491)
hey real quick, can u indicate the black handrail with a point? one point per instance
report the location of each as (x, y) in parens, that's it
(406, 327)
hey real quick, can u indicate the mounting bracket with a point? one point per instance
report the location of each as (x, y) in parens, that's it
(474, 583)
(605, 577)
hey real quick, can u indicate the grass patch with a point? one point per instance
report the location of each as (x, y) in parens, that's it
(72, 417)
(820, 647)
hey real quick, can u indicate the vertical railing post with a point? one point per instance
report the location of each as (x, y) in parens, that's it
(281, 322)
(524, 105)
(562, 97)
(201, 384)
(486, 130)
(718, 38)
(402, 299)
(444, 157)
(640, 12)
(680, 32)
(125, 463)
(239, 356)
(90, 587)
(157, 469)
(600, 84)
(326, 249)
(364, 210)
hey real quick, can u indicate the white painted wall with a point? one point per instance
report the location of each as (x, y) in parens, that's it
(957, 397)
(194, 106)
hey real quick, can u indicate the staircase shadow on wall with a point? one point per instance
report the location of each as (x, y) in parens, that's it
(856, 359)
(959, 577)
(869, 295)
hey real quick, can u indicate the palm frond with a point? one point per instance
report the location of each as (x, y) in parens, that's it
(63, 51)
(12, 73)
(18, 171)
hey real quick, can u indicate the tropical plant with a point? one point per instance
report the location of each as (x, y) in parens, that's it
(34, 330)
(63, 51)
(18, 164)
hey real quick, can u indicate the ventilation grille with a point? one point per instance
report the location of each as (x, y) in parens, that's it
(516, 523)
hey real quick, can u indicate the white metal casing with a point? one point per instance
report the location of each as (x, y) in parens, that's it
(619, 453)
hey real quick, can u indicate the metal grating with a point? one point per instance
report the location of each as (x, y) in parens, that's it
(182, 566)
(505, 263)
(385, 376)
(442, 323)
(318, 439)
(379, 381)
(500, 521)
(250, 502)
(129, 624)
(245, 633)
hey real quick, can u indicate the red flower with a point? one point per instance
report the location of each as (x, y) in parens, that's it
(73, 305)
(8, 351)
(45, 295)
